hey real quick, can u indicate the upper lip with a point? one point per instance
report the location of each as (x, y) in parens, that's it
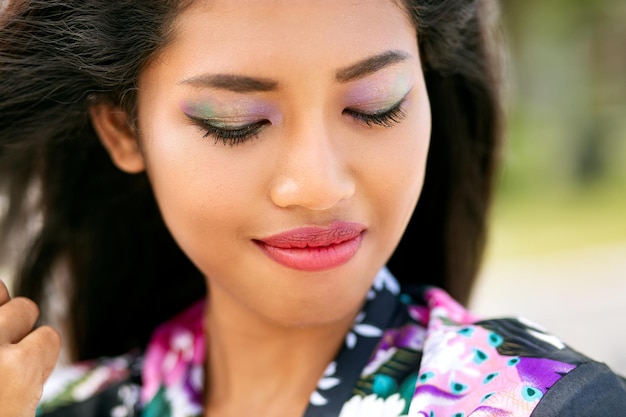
(315, 236)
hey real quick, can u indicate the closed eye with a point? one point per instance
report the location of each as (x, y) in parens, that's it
(229, 135)
(385, 118)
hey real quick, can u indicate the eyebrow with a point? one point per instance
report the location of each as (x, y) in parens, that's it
(244, 84)
(370, 65)
(236, 83)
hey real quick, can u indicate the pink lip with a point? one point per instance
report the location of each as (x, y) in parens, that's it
(314, 248)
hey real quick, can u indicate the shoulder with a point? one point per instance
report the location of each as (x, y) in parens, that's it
(589, 390)
(507, 366)
(582, 387)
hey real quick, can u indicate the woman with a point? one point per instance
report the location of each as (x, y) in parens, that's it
(273, 153)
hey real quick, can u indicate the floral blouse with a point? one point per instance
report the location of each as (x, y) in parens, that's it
(418, 354)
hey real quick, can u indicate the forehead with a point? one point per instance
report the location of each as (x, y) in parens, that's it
(275, 10)
(281, 29)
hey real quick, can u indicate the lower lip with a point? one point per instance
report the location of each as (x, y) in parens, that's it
(314, 259)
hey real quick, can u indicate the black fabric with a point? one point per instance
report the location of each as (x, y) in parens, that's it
(590, 390)
(518, 343)
(379, 312)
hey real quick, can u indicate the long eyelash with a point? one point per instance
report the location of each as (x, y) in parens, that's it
(233, 137)
(385, 118)
(230, 137)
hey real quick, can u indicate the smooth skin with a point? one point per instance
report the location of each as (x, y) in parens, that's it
(27, 355)
(272, 330)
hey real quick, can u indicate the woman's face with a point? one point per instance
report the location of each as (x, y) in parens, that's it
(286, 143)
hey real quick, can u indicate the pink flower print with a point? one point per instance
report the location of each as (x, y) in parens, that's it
(445, 307)
(420, 314)
(176, 347)
(462, 373)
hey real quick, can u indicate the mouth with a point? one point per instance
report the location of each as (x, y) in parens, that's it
(314, 248)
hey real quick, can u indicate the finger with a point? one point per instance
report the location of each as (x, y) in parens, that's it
(45, 343)
(17, 318)
(4, 293)
(26, 366)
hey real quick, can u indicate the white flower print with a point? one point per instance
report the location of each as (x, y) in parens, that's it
(129, 395)
(446, 357)
(358, 328)
(181, 404)
(541, 333)
(327, 382)
(373, 406)
(384, 279)
(381, 357)
(90, 385)
(548, 338)
(120, 411)
(60, 379)
(181, 347)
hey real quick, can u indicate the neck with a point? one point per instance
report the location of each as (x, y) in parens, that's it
(256, 364)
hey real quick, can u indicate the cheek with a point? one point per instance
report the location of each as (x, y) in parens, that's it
(193, 185)
(202, 195)
(396, 179)
(411, 161)
(399, 173)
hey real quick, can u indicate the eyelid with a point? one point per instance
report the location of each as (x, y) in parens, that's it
(227, 122)
(388, 118)
(359, 107)
(229, 134)
(385, 118)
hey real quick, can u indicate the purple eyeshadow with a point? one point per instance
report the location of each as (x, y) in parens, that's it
(241, 109)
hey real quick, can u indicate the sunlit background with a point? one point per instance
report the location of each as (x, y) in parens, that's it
(557, 253)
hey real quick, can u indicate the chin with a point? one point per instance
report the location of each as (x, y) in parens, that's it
(309, 313)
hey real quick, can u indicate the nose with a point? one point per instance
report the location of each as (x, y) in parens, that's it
(313, 172)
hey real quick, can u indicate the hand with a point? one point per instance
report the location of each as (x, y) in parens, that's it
(27, 356)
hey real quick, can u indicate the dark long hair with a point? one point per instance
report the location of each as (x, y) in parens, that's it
(125, 273)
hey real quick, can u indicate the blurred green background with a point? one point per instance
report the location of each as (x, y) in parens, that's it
(565, 157)
(557, 251)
